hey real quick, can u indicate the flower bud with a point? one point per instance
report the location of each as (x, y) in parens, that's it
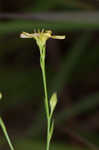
(0, 95)
(53, 102)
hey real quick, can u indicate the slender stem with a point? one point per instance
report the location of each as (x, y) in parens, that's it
(48, 130)
(42, 63)
(6, 134)
(45, 90)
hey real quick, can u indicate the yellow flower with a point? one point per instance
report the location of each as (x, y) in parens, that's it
(41, 37)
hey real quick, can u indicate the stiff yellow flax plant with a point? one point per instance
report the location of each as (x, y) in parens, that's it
(41, 38)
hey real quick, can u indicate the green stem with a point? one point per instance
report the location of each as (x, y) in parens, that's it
(48, 130)
(45, 90)
(6, 134)
(42, 63)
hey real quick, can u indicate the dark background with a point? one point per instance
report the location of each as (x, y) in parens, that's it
(72, 67)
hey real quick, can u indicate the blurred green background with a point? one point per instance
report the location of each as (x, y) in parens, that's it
(72, 67)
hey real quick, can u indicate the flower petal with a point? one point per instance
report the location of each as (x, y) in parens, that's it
(25, 35)
(60, 37)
